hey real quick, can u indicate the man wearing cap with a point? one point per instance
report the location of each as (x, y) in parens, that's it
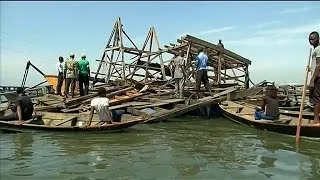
(84, 75)
(22, 110)
(59, 67)
(71, 74)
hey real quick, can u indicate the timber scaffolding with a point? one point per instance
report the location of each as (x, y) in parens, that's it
(128, 62)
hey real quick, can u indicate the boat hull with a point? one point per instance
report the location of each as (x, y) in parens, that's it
(8, 126)
(307, 131)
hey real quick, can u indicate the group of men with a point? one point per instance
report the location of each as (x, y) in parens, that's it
(72, 71)
(201, 74)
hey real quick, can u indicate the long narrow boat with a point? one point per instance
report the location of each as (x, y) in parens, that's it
(243, 113)
(68, 122)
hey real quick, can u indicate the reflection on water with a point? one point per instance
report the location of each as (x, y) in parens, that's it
(180, 149)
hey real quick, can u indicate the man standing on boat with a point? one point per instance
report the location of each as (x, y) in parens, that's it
(22, 110)
(84, 75)
(201, 73)
(220, 58)
(314, 85)
(59, 67)
(179, 74)
(71, 74)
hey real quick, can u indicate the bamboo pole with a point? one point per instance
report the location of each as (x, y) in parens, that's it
(302, 101)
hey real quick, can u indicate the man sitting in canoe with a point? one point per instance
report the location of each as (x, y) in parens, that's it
(101, 105)
(270, 105)
(22, 110)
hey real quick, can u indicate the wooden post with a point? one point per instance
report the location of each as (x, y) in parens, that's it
(246, 80)
(160, 55)
(121, 48)
(187, 62)
(104, 52)
(225, 74)
(219, 68)
(149, 54)
(302, 101)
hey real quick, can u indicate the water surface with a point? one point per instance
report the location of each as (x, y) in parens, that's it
(187, 148)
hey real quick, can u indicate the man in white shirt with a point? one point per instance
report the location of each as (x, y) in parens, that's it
(59, 67)
(101, 105)
(314, 84)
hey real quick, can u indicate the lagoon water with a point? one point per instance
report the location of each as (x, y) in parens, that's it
(182, 148)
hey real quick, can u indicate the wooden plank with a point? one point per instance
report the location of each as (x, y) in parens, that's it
(111, 94)
(83, 98)
(229, 90)
(161, 103)
(112, 103)
(72, 118)
(179, 111)
(75, 109)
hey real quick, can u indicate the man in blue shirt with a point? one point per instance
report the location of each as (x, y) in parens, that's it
(201, 73)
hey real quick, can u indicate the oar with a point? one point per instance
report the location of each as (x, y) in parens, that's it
(303, 99)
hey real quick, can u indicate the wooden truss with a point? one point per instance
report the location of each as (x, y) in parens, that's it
(130, 62)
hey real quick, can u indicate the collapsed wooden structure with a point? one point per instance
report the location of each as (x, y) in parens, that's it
(127, 61)
(127, 72)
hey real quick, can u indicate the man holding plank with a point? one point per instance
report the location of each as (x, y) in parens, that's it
(314, 84)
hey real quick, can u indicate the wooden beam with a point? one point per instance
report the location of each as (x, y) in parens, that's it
(215, 47)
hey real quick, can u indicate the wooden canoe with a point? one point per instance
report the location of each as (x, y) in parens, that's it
(68, 122)
(243, 113)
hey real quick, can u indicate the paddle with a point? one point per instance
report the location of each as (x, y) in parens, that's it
(303, 99)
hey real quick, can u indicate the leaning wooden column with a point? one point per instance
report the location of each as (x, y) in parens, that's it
(160, 55)
(104, 51)
(186, 62)
(149, 55)
(246, 80)
(121, 49)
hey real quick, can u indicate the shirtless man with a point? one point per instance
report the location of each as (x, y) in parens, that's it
(314, 84)
(270, 106)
